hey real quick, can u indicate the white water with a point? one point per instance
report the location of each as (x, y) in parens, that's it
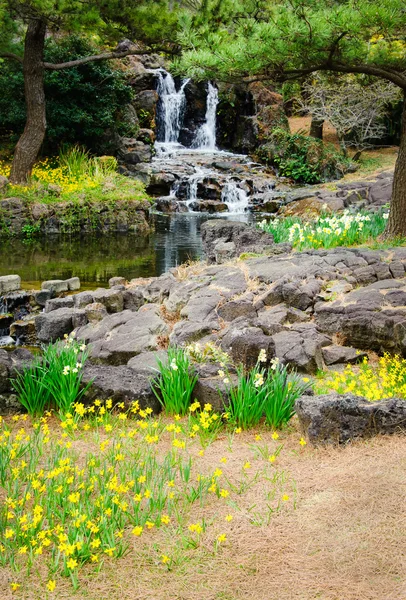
(206, 134)
(173, 104)
(235, 198)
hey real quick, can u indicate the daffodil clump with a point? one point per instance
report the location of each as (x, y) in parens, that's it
(386, 380)
(104, 481)
(74, 176)
(327, 231)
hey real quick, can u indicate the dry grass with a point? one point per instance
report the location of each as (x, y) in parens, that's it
(345, 540)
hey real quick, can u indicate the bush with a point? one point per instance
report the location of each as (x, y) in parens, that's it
(271, 393)
(54, 380)
(175, 383)
(303, 158)
(82, 102)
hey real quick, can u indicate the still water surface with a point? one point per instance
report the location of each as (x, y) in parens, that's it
(94, 259)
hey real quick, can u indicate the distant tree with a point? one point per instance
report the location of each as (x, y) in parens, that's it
(281, 40)
(150, 22)
(356, 109)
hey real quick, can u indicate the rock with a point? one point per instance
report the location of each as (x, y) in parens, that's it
(121, 384)
(210, 206)
(341, 354)
(244, 342)
(380, 192)
(82, 299)
(24, 332)
(56, 303)
(112, 299)
(118, 337)
(244, 238)
(53, 325)
(147, 136)
(96, 311)
(10, 404)
(146, 101)
(213, 390)
(373, 317)
(42, 296)
(73, 284)
(137, 152)
(236, 308)
(113, 281)
(185, 332)
(3, 182)
(167, 204)
(146, 363)
(133, 299)
(301, 347)
(9, 283)
(336, 418)
(56, 286)
(5, 366)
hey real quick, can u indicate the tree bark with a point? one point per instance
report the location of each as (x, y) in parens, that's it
(396, 226)
(33, 135)
(316, 128)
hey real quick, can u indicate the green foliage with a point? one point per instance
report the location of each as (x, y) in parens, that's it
(285, 39)
(31, 388)
(271, 392)
(175, 383)
(82, 102)
(327, 231)
(54, 379)
(303, 158)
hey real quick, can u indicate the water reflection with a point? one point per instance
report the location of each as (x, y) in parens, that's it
(95, 259)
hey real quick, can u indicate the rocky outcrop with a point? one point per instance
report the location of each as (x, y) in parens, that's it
(122, 216)
(223, 240)
(336, 418)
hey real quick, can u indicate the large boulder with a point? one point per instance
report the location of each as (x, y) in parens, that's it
(54, 325)
(223, 240)
(335, 418)
(120, 384)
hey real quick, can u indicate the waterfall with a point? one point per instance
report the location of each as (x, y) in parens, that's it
(172, 106)
(206, 134)
(235, 198)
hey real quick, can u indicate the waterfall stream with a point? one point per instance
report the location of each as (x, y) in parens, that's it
(206, 135)
(193, 173)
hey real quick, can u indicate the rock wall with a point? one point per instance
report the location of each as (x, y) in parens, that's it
(18, 216)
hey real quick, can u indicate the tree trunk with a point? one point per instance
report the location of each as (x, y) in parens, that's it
(316, 128)
(33, 135)
(396, 226)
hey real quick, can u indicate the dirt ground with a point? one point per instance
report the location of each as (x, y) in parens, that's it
(340, 536)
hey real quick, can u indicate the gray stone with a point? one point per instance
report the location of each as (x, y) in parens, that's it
(73, 284)
(56, 286)
(213, 390)
(300, 347)
(336, 418)
(53, 326)
(146, 363)
(82, 299)
(133, 298)
(236, 308)
(112, 299)
(341, 354)
(113, 281)
(24, 332)
(118, 337)
(9, 283)
(96, 311)
(42, 296)
(244, 343)
(185, 332)
(56, 303)
(121, 384)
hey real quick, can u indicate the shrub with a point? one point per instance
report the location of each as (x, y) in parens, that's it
(175, 383)
(303, 158)
(385, 380)
(271, 393)
(82, 102)
(54, 380)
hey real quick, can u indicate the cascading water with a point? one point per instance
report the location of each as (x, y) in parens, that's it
(206, 134)
(172, 106)
(236, 198)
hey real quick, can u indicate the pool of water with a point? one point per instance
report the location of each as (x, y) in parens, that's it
(94, 259)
